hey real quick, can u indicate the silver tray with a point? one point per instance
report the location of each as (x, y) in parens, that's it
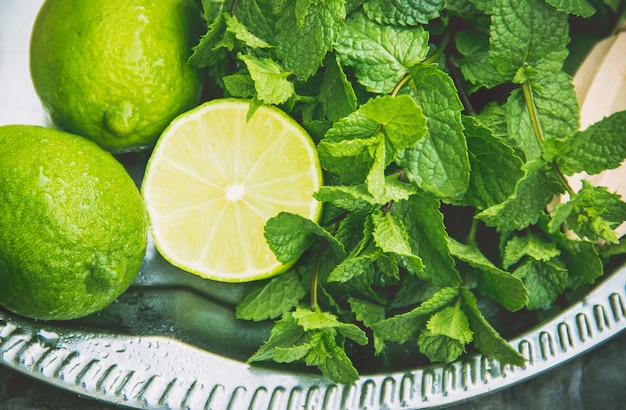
(172, 341)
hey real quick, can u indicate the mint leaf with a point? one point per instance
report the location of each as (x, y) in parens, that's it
(495, 167)
(545, 281)
(389, 266)
(486, 339)
(336, 93)
(402, 125)
(270, 81)
(592, 213)
(451, 322)
(400, 118)
(257, 18)
(581, 259)
(599, 147)
(493, 116)
(350, 159)
(285, 334)
(396, 189)
(412, 291)
(406, 326)
(527, 33)
(239, 85)
(475, 63)
(486, 6)
(316, 345)
(242, 33)
(439, 348)
(353, 198)
(493, 282)
(391, 236)
(531, 245)
(366, 312)
(403, 12)
(331, 359)
(357, 125)
(291, 354)
(316, 320)
(439, 162)
(580, 8)
(357, 198)
(447, 332)
(350, 268)
(305, 33)
(380, 54)
(354, 231)
(360, 262)
(428, 238)
(556, 106)
(210, 49)
(365, 142)
(273, 298)
(532, 193)
(213, 8)
(289, 235)
(376, 176)
(359, 285)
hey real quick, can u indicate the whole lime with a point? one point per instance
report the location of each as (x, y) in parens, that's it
(115, 71)
(73, 227)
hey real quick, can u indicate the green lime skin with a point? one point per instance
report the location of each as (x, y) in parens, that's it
(73, 226)
(115, 71)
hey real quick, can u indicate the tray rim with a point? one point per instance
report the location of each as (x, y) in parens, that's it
(159, 372)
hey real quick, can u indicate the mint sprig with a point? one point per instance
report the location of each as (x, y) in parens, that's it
(436, 196)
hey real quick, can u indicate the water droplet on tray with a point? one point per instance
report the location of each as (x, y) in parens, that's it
(119, 347)
(47, 338)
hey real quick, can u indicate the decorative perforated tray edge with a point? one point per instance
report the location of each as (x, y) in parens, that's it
(162, 373)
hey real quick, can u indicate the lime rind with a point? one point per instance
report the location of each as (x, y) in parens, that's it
(73, 227)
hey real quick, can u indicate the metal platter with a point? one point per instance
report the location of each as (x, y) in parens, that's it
(172, 340)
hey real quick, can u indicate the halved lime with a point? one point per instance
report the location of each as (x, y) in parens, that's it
(214, 179)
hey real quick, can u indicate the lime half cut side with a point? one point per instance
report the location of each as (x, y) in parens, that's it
(216, 177)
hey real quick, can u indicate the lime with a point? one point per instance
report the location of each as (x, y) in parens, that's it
(115, 71)
(215, 178)
(73, 227)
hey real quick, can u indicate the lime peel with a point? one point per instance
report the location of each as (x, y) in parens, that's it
(116, 71)
(73, 227)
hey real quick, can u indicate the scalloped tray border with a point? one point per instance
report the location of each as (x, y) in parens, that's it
(162, 373)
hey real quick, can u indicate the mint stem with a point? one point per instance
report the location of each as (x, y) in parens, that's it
(532, 111)
(456, 77)
(315, 278)
(442, 47)
(471, 236)
(401, 83)
(233, 7)
(534, 120)
(433, 57)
